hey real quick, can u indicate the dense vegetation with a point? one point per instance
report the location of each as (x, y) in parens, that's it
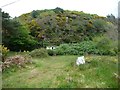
(27, 63)
(41, 28)
(86, 47)
(15, 36)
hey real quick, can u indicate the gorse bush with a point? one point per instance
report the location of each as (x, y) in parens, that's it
(3, 52)
(72, 26)
(40, 53)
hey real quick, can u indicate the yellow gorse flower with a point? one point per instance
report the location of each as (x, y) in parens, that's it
(4, 50)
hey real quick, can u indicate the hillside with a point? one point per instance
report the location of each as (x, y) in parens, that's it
(58, 26)
(41, 28)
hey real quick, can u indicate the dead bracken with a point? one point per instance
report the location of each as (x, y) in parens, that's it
(17, 60)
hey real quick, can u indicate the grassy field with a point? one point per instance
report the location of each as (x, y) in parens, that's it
(61, 72)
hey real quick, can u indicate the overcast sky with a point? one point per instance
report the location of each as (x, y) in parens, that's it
(100, 7)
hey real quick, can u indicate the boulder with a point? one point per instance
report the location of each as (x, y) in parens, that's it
(80, 60)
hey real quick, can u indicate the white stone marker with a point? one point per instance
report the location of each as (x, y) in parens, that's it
(80, 60)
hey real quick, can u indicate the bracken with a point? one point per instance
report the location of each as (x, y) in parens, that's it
(17, 60)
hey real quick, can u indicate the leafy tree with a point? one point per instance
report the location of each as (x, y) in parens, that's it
(34, 14)
(112, 18)
(15, 36)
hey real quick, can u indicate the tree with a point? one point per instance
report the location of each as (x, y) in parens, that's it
(15, 36)
(58, 10)
(34, 14)
(112, 19)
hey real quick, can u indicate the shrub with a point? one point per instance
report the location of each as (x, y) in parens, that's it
(62, 49)
(40, 53)
(105, 46)
(72, 52)
(51, 52)
(87, 47)
(3, 52)
(59, 51)
(76, 48)
(100, 45)
(99, 25)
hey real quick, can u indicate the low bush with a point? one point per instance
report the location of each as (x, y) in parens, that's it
(103, 46)
(86, 47)
(51, 52)
(59, 52)
(39, 53)
(106, 46)
(3, 52)
(76, 49)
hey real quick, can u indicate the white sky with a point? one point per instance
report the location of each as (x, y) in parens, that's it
(100, 7)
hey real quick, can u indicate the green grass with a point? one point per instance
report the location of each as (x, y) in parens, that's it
(61, 72)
